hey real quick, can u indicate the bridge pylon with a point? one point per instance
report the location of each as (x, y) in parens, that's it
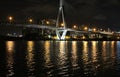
(61, 33)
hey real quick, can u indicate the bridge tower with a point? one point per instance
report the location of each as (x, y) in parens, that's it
(60, 16)
(61, 32)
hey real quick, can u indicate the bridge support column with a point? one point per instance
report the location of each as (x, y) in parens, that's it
(61, 34)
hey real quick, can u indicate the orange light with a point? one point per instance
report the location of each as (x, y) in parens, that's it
(85, 28)
(62, 24)
(47, 22)
(94, 29)
(30, 20)
(10, 18)
(74, 26)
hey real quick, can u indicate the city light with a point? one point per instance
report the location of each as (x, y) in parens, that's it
(47, 22)
(10, 18)
(30, 20)
(85, 28)
(94, 29)
(62, 24)
(74, 26)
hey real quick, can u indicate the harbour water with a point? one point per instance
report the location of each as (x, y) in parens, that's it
(59, 58)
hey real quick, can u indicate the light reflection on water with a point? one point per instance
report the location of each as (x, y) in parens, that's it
(66, 58)
(47, 55)
(30, 58)
(90, 58)
(108, 53)
(47, 58)
(104, 50)
(113, 49)
(62, 58)
(94, 51)
(85, 52)
(118, 49)
(74, 56)
(9, 57)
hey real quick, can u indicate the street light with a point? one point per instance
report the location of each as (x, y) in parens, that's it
(94, 29)
(74, 26)
(85, 28)
(62, 24)
(47, 22)
(30, 20)
(10, 18)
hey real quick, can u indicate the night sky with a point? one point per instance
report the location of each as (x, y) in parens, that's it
(103, 13)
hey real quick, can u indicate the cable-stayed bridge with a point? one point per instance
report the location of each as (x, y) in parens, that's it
(62, 31)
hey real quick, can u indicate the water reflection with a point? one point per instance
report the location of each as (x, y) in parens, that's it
(47, 54)
(104, 44)
(62, 59)
(95, 65)
(47, 58)
(94, 51)
(30, 58)
(10, 48)
(65, 58)
(118, 56)
(113, 49)
(118, 50)
(108, 52)
(74, 55)
(112, 53)
(90, 57)
(85, 52)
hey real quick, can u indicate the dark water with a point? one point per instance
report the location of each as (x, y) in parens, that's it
(59, 58)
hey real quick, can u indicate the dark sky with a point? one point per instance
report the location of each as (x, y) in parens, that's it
(105, 13)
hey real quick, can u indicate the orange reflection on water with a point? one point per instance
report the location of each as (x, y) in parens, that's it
(94, 51)
(62, 53)
(85, 52)
(113, 49)
(47, 53)
(47, 58)
(74, 54)
(104, 45)
(10, 48)
(63, 58)
(30, 46)
(30, 58)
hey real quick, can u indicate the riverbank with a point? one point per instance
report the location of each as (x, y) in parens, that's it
(44, 39)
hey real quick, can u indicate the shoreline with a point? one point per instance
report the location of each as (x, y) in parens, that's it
(47, 39)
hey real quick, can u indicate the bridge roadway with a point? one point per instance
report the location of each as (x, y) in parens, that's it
(62, 29)
(53, 28)
(58, 30)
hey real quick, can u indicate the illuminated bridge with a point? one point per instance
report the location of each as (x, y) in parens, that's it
(62, 31)
(59, 31)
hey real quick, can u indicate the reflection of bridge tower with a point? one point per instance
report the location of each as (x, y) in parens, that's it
(61, 33)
